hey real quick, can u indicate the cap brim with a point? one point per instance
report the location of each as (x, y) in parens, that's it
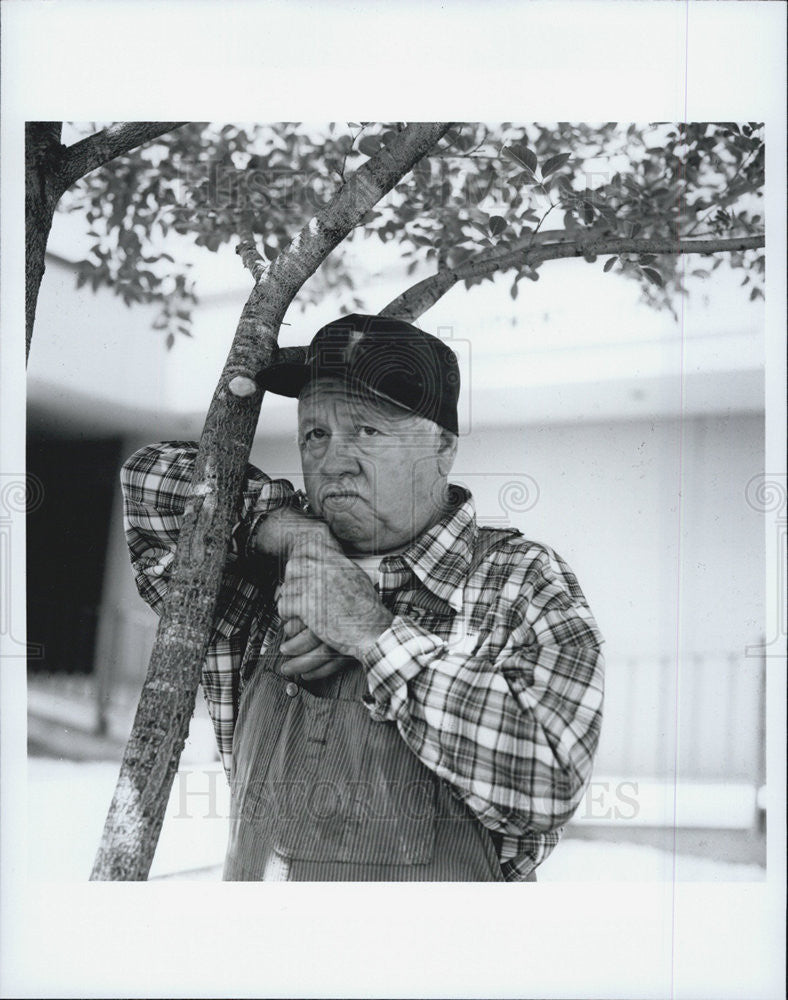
(289, 378)
(285, 379)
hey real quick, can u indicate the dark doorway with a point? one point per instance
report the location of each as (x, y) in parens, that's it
(66, 547)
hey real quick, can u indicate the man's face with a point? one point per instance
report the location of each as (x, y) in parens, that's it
(373, 472)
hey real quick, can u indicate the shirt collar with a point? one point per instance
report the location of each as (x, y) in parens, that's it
(441, 557)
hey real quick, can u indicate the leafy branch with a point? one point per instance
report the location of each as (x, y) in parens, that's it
(421, 296)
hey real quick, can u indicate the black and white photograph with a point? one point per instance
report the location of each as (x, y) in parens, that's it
(400, 504)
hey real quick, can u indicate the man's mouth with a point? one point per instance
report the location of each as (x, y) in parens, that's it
(338, 498)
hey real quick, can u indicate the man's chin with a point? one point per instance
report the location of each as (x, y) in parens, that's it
(358, 538)
(349, 533)
(357, 543)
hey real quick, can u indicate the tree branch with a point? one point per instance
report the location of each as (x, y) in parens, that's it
(553, 245)
(252, 259)
(622, 244)
(420, 297)
(101, 147)
(168, 695)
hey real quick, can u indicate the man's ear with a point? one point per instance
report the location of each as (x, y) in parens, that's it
(447, 451)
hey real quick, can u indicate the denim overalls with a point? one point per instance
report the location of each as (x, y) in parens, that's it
(326, 793)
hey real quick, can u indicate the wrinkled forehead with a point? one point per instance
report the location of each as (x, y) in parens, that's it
(338, 397)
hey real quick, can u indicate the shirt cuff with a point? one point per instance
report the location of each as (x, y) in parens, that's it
(398, 655)
(274, 495)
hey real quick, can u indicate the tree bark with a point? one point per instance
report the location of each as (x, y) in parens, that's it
(43, 154)
(115, 140)
(417, 299)
(50, 169)
(167, 702)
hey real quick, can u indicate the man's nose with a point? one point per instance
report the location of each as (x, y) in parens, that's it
(340, 456)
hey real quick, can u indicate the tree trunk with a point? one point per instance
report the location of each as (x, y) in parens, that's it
(43, 154)
(167, 702)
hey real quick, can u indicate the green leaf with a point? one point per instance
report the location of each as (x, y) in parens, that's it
(497, 225)
(368, 217)
(481, 226)
(563, 185)
(369, 145)
(609, 264)
(554, 163)
(458, 256)
(525, 176)
(508, 153)
(654, 276)
(521, 155)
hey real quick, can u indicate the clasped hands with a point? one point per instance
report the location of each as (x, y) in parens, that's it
(330, 610)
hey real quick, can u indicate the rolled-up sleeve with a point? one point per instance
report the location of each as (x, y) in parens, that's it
(156, 485)
(513, 728)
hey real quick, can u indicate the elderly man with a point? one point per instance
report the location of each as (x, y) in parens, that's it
(398, 693)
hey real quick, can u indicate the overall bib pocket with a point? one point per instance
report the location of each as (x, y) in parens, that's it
(323, 782)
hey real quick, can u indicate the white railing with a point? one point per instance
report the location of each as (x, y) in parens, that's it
(698, 718)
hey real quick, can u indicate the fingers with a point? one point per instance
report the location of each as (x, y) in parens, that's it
(307, 656)
(312, 541)
(306, 552)
(303, 642)
(304, 562)
(306, 662)
(293, 626)
(333, 666)
(291, 605)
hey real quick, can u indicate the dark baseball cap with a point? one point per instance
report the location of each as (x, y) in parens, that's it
(390, 357)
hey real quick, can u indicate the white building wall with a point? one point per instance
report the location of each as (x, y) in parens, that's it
(653, 519)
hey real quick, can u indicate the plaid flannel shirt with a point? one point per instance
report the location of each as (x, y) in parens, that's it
(493, 673)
